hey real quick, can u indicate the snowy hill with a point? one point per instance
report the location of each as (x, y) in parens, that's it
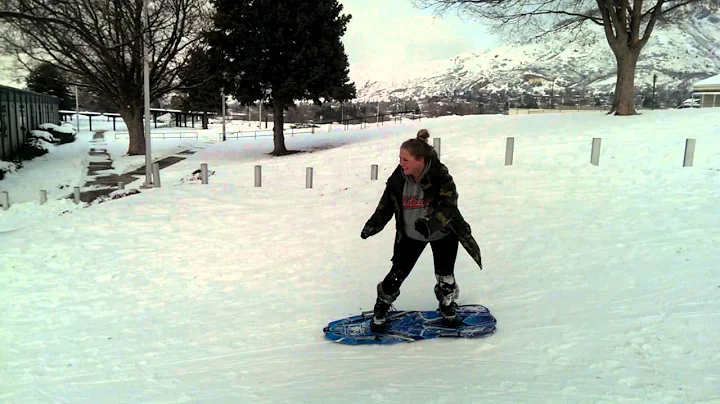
(604, 279)
(678, 54)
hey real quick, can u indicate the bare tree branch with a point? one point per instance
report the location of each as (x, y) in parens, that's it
(100, 46)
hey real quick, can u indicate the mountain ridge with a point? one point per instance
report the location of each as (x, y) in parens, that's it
(679, 54)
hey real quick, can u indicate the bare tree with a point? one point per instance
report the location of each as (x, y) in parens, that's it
(627, 24)
(98, 45)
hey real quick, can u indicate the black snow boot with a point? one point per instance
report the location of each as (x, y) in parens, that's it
(383, 303)
(446, 291)
(380, 313)
(449, 312)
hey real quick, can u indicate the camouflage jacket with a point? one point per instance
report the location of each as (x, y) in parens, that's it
(438, 184)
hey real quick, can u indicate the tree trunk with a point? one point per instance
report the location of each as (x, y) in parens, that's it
(133, 117)
(624, 99)
(278, 134)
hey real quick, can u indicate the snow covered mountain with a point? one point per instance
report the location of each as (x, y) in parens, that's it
(679, 54)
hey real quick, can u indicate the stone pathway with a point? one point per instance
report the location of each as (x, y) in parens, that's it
(100, 160)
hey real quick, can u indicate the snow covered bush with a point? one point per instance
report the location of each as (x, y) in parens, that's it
(36, 145)
(41, 134)
(40, 144)
(62, 134)
(7, 167)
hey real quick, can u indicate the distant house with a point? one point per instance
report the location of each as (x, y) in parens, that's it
(708, 91)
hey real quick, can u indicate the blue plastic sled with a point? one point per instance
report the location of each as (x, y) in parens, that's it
(411, 326)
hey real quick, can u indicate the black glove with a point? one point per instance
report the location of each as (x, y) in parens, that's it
(427, 226)
(421, 226)
(366, 232)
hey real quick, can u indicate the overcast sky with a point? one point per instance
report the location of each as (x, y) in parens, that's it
(387, 33)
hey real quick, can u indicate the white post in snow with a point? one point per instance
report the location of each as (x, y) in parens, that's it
(5, 200)
(146, 91)
(156, 175)
(260, 115)
(43, 196)
(76, 194)
(595, 153)
(308, 177)
(689, 152)
(509, 148)
(258, 176)
(374, 172)
(204, 173)
(436, 145)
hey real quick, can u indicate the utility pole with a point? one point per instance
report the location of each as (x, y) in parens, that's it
(77, 109)
(146, 85)
(222, 94)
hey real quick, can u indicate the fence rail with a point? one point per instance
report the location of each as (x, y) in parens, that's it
(254, 134)
(163, 135)
(312, 127)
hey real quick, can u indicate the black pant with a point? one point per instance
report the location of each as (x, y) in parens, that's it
(406, 253)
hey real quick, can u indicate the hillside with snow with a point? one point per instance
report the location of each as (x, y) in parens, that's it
(679, 54)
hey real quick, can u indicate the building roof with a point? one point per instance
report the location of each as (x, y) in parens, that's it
(708, 84)
(23, 91)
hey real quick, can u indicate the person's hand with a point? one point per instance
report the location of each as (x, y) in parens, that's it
(421, 226)
(367, 232)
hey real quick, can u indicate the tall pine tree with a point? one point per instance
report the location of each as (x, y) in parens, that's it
(280, 51)
(45, 78)
(203, 89)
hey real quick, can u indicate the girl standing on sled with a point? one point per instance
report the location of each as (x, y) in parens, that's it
(421, 194)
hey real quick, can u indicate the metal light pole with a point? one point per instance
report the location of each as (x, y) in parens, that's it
(146, 85)
(77, 109)
(222, 95)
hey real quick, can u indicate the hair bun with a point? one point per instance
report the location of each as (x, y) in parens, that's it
(423, 134)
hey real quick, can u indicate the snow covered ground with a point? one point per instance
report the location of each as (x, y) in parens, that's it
(604, 279)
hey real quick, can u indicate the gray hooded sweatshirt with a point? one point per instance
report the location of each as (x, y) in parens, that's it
(416, 206)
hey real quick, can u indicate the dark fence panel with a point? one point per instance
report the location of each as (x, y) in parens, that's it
(20, 112)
